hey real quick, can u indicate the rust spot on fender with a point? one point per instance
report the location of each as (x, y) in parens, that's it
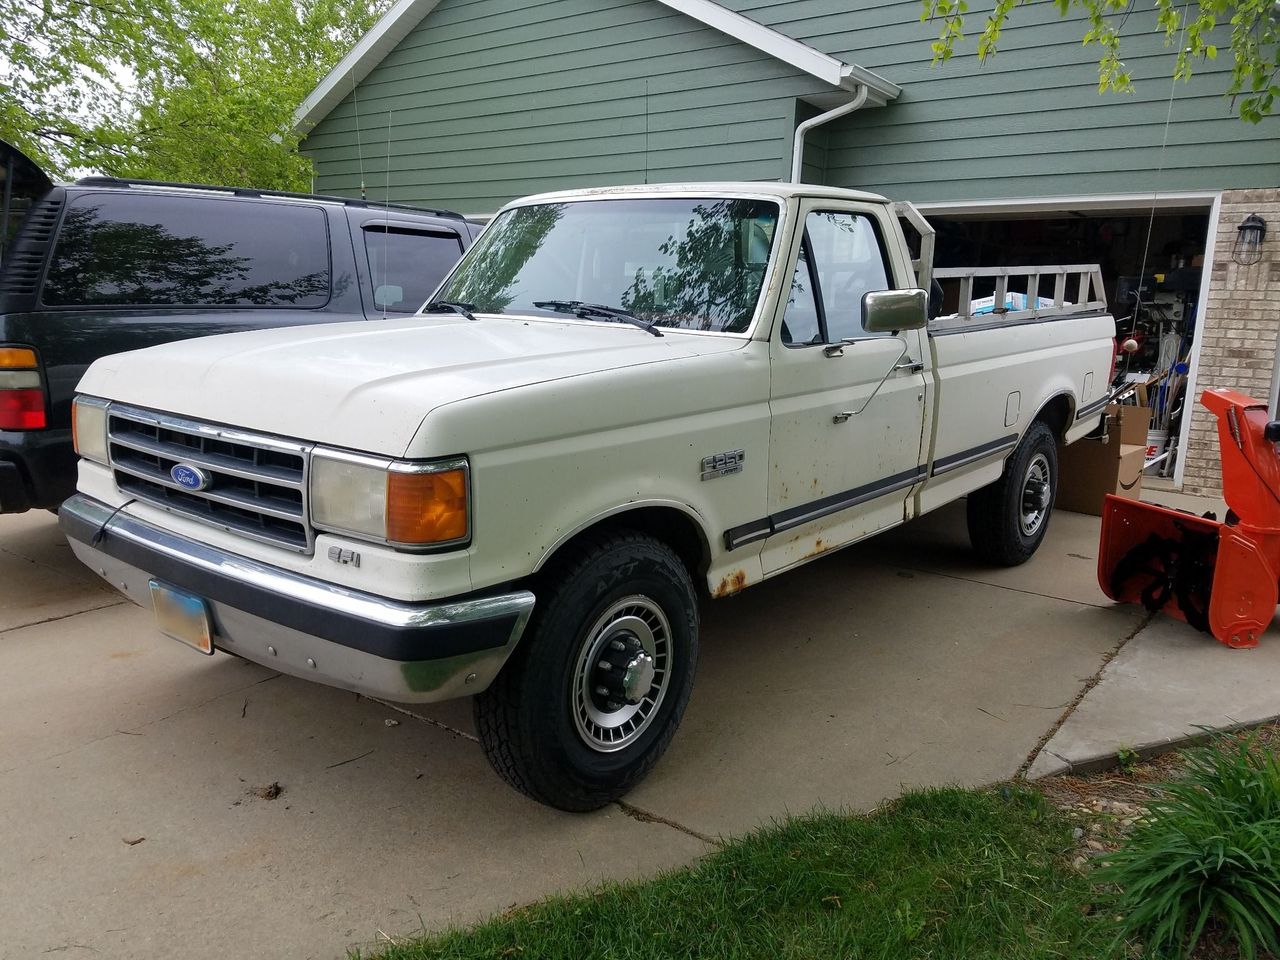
(731, 584)
(819, 546)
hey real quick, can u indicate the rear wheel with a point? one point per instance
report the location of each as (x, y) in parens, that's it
(593, 694)
(1008, 519)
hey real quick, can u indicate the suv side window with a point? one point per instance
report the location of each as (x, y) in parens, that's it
(842, 258)
(135, 248)
(407, 265)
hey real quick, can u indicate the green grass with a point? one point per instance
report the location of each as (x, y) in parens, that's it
(938, 874)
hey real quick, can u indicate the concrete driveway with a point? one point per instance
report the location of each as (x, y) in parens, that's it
(136, 776)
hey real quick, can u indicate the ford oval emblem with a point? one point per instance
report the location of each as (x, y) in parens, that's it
(189, 477)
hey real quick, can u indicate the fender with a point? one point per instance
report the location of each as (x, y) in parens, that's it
(698, 520)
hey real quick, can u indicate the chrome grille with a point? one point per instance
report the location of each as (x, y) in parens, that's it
(257, 485)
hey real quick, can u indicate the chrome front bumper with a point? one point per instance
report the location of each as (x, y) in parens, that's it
(298, 625)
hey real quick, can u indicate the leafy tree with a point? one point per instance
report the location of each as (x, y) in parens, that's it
(488, 279)
(200, 90)
(706, 284)
(1255, 40)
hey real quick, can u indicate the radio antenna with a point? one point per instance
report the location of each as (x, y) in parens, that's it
(386, 226)
(646, 131)
(355, 99)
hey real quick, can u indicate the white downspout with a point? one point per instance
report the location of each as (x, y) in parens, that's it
(797, 151)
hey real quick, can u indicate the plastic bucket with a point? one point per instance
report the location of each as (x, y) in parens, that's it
(1156, 442)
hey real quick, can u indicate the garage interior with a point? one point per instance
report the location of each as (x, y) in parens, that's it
(1152, 266)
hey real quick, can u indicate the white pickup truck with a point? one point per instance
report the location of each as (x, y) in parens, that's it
(621, 401)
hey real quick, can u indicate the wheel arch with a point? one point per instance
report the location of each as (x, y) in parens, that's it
(1057, 413)
(673, 523)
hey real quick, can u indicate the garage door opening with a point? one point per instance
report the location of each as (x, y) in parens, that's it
(1152, 268)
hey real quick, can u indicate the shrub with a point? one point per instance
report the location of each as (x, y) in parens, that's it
(1208, 852)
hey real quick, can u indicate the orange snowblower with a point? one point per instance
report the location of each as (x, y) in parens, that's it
(1222, 578)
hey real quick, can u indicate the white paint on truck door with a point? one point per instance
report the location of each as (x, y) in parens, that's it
(847, 418)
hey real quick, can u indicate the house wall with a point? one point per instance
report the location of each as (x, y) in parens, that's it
(487, 100)
(1241, 324)
(1030, 121)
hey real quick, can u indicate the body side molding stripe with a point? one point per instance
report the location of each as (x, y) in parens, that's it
(1092, 408)
(760, 529)
(765, 527)
(954, 461)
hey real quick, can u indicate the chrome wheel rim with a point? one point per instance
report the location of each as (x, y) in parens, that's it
(605, 721)
(1037, 494)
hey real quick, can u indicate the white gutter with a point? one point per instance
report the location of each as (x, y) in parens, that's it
(797, 150)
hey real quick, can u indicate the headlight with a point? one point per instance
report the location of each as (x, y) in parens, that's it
(400, 502)
(89, 428)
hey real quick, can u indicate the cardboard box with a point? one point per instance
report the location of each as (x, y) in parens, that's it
(1090, 469)
(1128, 423)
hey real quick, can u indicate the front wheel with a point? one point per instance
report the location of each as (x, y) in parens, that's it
(593, 694)
(1008, 519)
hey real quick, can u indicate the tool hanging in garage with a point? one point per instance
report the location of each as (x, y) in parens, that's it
(1219, 577)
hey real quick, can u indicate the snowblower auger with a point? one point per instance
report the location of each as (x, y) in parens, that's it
(1219, 577)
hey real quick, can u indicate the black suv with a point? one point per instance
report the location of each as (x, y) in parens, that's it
(105, 265)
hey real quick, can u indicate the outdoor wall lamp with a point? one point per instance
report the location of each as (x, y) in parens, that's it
(1249, 236)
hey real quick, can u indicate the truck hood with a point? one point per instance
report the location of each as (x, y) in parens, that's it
(368, 385)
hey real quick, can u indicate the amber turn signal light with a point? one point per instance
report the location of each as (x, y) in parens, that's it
(22, 402)
(17, 358)
(425, 508)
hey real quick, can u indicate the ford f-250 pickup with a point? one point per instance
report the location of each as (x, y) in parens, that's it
(619, 401)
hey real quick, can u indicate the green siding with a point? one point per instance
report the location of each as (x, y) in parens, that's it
(482, 103)
(1029, 122)
(486, 100)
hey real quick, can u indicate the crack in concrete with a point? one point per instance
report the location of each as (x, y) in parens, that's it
(645, 816)
(65, 616)
(1003, 586)
(417, 716)
(1089, 684)
(148, 723)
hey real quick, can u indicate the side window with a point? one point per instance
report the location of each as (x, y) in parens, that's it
(137, 248)
(406, 266)
(800, 319)
(849, 261)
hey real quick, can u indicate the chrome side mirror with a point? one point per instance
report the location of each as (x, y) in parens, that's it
(889, 311)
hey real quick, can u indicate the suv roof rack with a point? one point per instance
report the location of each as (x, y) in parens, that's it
(100, 181)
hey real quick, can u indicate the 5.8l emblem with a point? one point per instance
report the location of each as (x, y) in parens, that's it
(189, 477)
(723, 464)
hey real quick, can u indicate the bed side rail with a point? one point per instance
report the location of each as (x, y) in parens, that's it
(1019, 294)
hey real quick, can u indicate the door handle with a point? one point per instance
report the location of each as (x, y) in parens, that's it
(915, 366)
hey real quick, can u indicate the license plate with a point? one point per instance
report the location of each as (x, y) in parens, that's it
(182, 616)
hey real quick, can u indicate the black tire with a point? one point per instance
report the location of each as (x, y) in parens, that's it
(534, 722)
(998, 513)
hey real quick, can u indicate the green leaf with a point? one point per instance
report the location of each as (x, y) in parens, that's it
(1254, 41)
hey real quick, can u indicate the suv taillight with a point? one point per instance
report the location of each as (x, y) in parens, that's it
(22, 405)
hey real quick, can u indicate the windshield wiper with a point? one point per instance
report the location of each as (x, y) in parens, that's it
(451, 306)
(580, 309)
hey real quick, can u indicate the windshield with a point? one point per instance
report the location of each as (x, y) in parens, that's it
(688, 263)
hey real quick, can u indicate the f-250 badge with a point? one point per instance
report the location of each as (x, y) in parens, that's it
(723, 464)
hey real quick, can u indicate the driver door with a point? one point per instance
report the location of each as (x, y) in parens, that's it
(847, 405)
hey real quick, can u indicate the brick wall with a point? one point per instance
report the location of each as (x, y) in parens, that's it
(1239, 328)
